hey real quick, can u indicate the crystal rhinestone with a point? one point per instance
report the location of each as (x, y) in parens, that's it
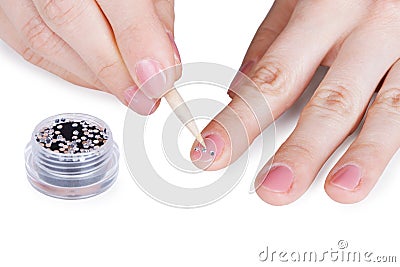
(76, 132)
(75, 125)
(204, 150)
(212, 153)
(59, 126)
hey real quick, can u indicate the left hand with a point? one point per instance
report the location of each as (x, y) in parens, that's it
(360, 41)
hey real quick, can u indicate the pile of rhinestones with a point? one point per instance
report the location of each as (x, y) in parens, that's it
(72, 136)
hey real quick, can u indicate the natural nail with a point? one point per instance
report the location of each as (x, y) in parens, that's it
(347, 178)
(150, 75)
(279, 179)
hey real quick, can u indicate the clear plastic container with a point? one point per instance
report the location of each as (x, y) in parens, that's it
(72, 175)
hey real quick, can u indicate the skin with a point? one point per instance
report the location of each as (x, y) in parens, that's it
(48, 33)
(358, 39)
(360, 42)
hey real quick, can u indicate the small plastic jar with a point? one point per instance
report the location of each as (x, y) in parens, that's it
(71, 172)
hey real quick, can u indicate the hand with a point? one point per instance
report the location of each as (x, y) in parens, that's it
(112, 46)
(360, 41)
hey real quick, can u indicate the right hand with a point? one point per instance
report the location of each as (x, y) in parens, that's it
(113, 46)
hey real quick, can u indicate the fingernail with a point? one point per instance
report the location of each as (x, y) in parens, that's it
(150, 75)
(242, 71)
(205, 156)
(347, 178)
(174, 47)
(279, 179)
(139, 102)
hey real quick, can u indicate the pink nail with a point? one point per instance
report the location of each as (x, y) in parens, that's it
(279, 179)
(205, 156)
(242, 71)
(174, 47)
(150, 75)
(139, 102)
(347, 178)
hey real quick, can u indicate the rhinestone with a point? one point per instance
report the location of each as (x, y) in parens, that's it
(75, 125)
(59, 126)
(212, 153)
(76, 132)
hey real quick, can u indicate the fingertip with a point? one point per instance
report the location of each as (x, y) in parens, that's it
(277, 193)
(345, 196)
(216, 154)
(137, 101)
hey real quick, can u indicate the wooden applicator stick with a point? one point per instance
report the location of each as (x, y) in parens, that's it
(183, 113)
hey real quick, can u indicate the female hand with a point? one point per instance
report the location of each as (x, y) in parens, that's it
(360, 41)
(112, 46)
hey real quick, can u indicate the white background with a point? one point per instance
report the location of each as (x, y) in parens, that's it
(123, 226)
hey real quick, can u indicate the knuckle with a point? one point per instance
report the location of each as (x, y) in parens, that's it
(108, 70)
(29, 55)
(388, 100)
(297, 149)
(269, 79)
(368, 149)
(126, 34)
(39, 37)
(336, 101)
(63, 12)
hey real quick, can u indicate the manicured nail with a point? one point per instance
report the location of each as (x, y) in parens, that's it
(150, 75)
(174, 47)
(279, 179)
(347, 178)
(242, 71)
(205, 156)
(139, 102)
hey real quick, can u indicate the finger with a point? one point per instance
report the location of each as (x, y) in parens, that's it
(276, 20)
(283, 72)
(356, 173)
(143, 42)
(36, 36)
(139, 102)
(336, 106)
(9, 35)
(165, 11)
(75, 20)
